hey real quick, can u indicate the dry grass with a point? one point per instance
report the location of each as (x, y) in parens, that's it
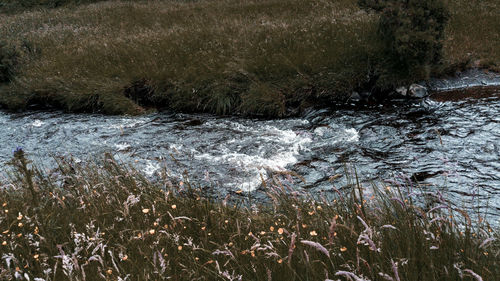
(223, 56)
(105, 221)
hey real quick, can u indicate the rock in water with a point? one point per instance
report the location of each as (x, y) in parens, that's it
(418, 91)
(402, 91)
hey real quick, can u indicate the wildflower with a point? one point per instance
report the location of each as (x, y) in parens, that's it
(20, 224)
(109, 272)
(311, 213)
(271, 228)
(151, 231)
(196, 258)
(280, 261)
(155, 223)
(4, 243)
(262, 232)
(226, 221)
(36, 230)
(230, 244)
(203, 227)
(252, 253)
(239, 191)
(145, 211)
(343, 249)
(313, 233)
(319, 208)
(19, 217)
(304, 225)
(280, 230)
(18, 151)
(36, 256)
(125, 258)
(179, 248)
(6, 211)
(19, 235)
(174, 206)
(4, 204)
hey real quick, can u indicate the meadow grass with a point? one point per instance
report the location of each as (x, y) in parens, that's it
(106, 221)
(257, 57)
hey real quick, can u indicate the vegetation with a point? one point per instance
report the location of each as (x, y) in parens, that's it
(13, 6)
(263, 57)
(105, 221)
(412, 32)
(7, 62)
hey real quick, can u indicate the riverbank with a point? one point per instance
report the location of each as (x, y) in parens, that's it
(262, 57)
(107, 221)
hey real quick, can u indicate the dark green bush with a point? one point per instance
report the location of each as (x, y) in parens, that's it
(8, 60)
(12, 6)
(412, 32)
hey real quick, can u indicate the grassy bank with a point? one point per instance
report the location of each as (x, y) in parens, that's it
(105, 221)
(263, 57)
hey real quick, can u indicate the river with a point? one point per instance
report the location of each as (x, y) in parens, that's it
(449, 142)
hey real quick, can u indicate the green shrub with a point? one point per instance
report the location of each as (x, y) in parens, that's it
(8, 59)
(12, 6)
(412, 32)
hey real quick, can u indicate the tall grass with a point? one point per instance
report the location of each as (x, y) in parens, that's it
(105, 221)
(265, 57)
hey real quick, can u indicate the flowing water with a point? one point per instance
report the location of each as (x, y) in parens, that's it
(450, 143)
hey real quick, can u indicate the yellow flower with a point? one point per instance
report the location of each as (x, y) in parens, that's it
(179, 248)
(145, 211)
(109, 271)
(262, 232)
(280, 230)
(36, 256)
(343, 249)
(174, 206)
(151, 231)
(271, 228)
(4, 243)
(20, 217)
(280, 261)
(313, 233)
(239, 191)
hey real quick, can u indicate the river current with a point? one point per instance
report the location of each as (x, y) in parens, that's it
(449, 142)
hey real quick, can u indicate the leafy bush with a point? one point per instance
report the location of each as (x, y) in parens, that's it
(8, 58)
(412, 32)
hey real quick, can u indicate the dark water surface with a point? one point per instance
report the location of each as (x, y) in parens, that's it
(450, 142)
